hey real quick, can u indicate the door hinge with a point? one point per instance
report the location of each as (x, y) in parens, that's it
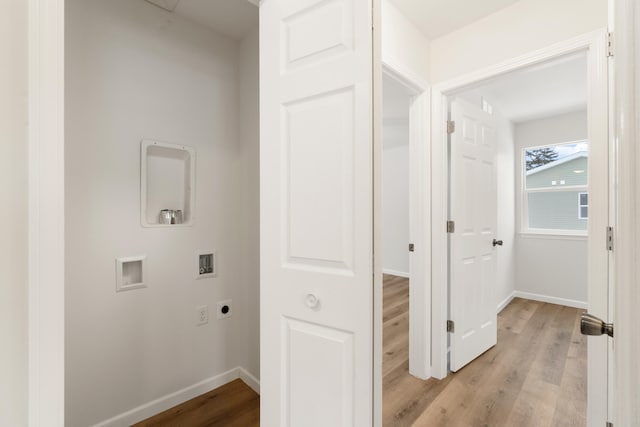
(451, 226)
(610, 45)
(411, 247)
(609, 238)
(451, 126)
(451, 326)
(609, 424)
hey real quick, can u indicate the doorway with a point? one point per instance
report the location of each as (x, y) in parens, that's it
(598, 257)
(161, 105)
(405, 214)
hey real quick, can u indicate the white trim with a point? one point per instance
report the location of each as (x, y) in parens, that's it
(46, 212)
(394, 68)
(594, 42)
(505, 302)
(396, 273)
(558, 189)
(419, 217)
(552, 235)
(551, 300)
(170, 400)
(376, 71)
(249, 379)
(625, 385)
(551, 232)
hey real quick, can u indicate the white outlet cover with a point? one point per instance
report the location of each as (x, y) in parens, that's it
(221, 304)
(202, 315)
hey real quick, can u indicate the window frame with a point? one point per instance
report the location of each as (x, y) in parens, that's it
(524, 202)
(580, 205)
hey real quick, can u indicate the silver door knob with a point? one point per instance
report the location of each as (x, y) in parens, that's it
(592, 325)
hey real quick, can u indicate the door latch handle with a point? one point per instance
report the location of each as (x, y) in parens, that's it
(592, 325)
(497, 243)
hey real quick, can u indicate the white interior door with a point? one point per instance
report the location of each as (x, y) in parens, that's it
(473, 207)
(316, 213)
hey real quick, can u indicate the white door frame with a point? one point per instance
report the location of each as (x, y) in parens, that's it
(46, 212)
(595, 43)
(419, 218)
(626, 128)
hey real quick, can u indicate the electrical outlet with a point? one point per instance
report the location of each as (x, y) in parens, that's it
(224, 309)
(202, 315)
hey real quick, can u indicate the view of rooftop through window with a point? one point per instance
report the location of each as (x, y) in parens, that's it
(556, 186)
(536, 157)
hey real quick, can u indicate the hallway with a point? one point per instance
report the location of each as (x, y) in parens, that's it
(535, 376)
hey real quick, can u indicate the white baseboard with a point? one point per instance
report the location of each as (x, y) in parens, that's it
(249, 380)
(163, 403)
(506, 301)
(396, 273)
(551, 300)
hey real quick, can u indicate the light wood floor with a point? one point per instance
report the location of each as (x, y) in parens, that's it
(535, 376)
(233, 405)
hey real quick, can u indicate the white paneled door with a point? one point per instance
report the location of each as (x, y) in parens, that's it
(473, 207)
(316, 121)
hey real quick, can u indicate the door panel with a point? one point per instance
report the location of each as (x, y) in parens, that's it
(332, 383)
(316, 213)
(473, 207)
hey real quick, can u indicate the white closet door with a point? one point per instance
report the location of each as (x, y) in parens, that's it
(316, 213)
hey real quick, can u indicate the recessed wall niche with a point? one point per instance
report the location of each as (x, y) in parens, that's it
(130, 273)
(167, 184)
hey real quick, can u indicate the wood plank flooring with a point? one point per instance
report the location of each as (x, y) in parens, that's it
(234, 405)
(534, 377)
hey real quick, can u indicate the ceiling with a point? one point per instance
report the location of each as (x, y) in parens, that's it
(438, 17)
(231, 18)
(544, 90)
(235, 18)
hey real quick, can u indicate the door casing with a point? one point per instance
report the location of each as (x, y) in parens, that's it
(595, 43)
(419, 219)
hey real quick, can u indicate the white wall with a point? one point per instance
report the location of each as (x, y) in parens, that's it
(549, 266)
(13, 215)
(525, 26)
(250, 151)
(134, 72)
(403, 44)
(395, 205)
(506, 259)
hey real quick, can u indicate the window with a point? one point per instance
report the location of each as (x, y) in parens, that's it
(554, 177)
(583, 205)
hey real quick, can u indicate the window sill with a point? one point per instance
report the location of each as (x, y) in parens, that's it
(555, 235)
